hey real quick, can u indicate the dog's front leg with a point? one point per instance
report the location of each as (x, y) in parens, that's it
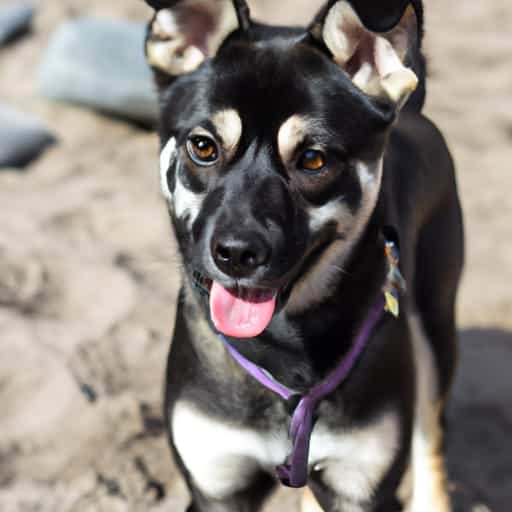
(428, 473)
(250, 499)
(309, 503)
(221, 462)
(247, 499)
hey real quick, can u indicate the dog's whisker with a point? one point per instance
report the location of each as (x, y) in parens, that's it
(341, 270)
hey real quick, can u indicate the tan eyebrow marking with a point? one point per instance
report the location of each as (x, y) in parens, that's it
(228, 126)
(291, 134)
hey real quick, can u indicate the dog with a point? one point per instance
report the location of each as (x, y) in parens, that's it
(316, 212)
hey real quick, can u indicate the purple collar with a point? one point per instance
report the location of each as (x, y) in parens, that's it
(294, 471)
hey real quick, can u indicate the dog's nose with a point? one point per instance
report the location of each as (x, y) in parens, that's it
(240, 256)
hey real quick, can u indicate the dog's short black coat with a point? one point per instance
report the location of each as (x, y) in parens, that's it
(267, 77)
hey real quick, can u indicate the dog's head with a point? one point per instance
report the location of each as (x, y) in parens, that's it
(272, 147)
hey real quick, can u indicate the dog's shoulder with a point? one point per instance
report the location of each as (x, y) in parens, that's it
(417, 147)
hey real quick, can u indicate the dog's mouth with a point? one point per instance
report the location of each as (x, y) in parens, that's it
(246, 312)
(238, 312)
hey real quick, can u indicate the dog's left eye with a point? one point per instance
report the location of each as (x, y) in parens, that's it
(202, 150)
(312, 160)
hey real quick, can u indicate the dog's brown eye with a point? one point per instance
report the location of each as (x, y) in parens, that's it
(202, 150)
(312, 160)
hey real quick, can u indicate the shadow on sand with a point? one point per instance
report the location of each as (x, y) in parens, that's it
(479, 428)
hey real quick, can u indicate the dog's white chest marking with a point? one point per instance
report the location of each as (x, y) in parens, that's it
(355, 461)
(184, 202)
(222, 458)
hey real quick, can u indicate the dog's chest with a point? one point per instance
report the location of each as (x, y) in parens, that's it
(222, 458)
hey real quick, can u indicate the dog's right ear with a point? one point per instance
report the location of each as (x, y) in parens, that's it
(184, 33)
(378, 63)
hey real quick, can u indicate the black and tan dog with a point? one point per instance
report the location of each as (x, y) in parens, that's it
(295, 162)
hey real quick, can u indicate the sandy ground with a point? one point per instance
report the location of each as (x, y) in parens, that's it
(88, 278)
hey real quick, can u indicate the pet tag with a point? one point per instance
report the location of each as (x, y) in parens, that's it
(392, 305)
(395, 282)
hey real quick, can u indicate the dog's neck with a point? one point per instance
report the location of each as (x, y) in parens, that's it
(301, 350)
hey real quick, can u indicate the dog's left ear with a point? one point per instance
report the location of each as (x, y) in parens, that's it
(376, 62)
(184, 33)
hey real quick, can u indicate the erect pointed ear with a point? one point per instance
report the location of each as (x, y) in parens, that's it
(376, 62)
(183, 34)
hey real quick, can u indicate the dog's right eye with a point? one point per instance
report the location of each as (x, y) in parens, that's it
(202, 150)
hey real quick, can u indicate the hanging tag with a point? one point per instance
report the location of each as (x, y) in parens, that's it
(392, 304)
(395, 282)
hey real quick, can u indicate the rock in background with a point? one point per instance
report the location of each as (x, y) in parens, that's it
(15, 20)
(22, 138)
(100, 64)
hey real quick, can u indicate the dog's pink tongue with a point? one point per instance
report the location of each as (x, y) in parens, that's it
(237, 317)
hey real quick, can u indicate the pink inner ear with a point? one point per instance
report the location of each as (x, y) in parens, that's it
(365, 53)
(376, 52)
(196, 24)
(184, 36)
(374, 62)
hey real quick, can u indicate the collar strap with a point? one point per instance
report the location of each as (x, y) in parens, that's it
(294, 471)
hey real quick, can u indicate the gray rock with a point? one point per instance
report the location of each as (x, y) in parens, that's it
(101, 64)
(15, 20)
(22, 138)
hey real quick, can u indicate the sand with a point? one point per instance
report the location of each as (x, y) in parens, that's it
(89, 276)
